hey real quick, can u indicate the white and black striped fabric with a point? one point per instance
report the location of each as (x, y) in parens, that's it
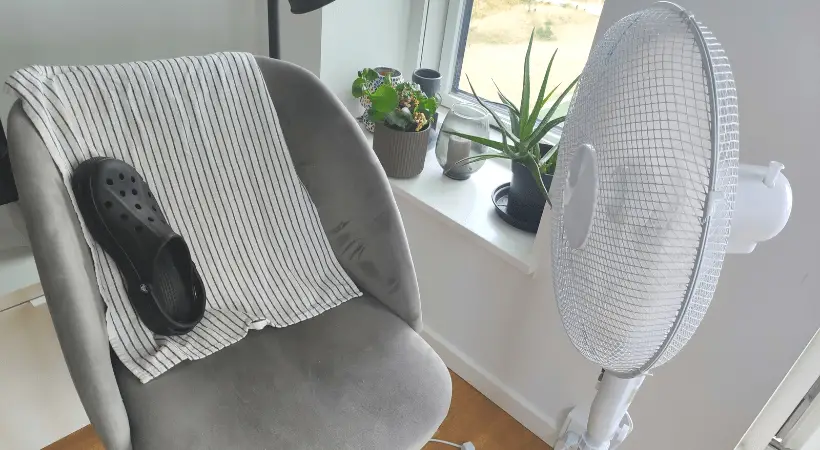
(204, 134)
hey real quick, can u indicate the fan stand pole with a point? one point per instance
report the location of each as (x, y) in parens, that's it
(608, 410)
(273, 29)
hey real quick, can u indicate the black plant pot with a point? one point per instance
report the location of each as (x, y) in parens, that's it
(526, 201)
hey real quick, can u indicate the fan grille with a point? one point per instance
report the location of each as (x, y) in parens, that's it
(657, 101)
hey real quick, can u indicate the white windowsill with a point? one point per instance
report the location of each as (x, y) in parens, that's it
(467, 206)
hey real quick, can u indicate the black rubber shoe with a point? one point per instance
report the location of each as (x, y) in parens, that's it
(123, 216)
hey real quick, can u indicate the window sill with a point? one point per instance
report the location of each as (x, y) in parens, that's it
(466, 206)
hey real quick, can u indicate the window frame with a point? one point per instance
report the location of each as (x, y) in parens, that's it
(450, 45)
(452, 40)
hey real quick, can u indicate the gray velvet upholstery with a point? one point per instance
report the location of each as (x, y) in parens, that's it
(348, 186)
(356, 377)
(67, 275)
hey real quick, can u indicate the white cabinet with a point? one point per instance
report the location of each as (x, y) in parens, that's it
(19, 281)
(39, 404)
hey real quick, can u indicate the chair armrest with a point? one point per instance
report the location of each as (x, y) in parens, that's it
(348, 186)
(67, 276)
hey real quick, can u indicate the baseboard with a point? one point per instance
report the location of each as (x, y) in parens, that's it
(502, 395)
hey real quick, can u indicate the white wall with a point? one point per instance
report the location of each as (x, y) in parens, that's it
(107, 31)
(300, 37)
(362, 33)
(767, 305)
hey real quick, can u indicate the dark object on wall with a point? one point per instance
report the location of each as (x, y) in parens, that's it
(8, 190)
(296, 7)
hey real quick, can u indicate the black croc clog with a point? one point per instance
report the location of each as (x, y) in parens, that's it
(123, 216)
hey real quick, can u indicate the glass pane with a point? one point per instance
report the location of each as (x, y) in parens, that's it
(497, 43)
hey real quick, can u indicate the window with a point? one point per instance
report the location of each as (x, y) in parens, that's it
(488, 42)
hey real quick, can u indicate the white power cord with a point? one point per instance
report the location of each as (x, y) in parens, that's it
(464, 446)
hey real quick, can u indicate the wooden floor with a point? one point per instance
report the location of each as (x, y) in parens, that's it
(472, 417)
(84, 439)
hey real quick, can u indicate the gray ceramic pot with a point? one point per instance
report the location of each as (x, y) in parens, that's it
(428, 80)
(401, 153)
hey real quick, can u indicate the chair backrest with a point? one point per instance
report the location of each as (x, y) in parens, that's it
(67, 276)
(348, 186)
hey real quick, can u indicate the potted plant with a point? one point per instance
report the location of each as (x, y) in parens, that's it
(402, 115)
(533, 164)
(374, 78)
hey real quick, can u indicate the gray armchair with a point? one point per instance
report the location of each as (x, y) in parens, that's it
(356, 377)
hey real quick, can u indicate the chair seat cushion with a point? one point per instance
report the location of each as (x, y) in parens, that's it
(354, 377)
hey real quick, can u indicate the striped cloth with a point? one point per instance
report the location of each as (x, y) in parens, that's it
(204, 134)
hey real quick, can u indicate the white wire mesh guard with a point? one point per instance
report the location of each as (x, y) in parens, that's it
(657, 101)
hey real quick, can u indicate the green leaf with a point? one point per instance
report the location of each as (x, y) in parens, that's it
(545, 159)
(384, 98)
(498, 121)
(376, 116)
(477, 139)
(369, 74)
(543, 128)
(476, 158)
(547, 124)
(506, 149)
(514, 113)
(561, 98)
(516, 151)
(430, 104)
(525, 91)
(532, 165)
(549, 160)
(515, 124)
(358, 87)
(506, 100)
(400, 119)
(539, 101)
(547, 98)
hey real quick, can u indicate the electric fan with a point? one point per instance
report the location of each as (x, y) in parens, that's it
(646, 190)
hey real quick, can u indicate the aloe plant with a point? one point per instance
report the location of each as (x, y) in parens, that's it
(520, 141)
